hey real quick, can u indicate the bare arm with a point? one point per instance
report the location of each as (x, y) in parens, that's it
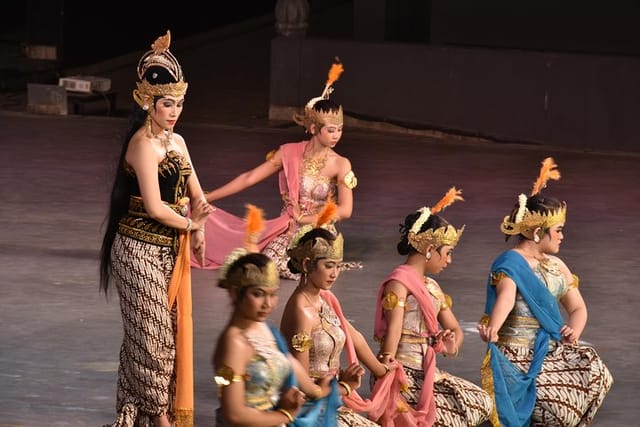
(575, 306)
(233, 352)
(365, 354)
(395, 318)
(449, 322)
(506, 299)
(298, 318)
(247, 179)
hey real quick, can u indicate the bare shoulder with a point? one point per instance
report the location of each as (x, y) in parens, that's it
(230, 343)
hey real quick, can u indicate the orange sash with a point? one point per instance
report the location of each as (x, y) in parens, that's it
(180, 293)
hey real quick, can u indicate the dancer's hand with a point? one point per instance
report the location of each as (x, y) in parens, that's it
(487, 333)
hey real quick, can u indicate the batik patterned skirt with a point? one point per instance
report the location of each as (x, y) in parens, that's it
(146, 378)
(570, 387)
(459, 403)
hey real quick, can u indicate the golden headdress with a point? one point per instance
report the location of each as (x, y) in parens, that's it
(149, 86)
(311, 116)
(526, 221)
(316, 248)
(445, 235)
(251, 274)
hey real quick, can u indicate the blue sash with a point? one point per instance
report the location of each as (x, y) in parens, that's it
(514, 390)
(314, 413)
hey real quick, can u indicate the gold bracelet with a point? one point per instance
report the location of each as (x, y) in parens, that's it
(346, 386)
(300, 217)
(189, 224)
(286, 414)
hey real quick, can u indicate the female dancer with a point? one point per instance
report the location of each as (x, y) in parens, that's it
(314, 325)
(410, 310)
(310, 173)
(145, 250)
(535, 369)
(255, 374)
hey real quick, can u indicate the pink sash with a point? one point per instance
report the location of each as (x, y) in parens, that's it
(424, 413)
(225, 231)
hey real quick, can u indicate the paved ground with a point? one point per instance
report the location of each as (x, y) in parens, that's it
(60, 338)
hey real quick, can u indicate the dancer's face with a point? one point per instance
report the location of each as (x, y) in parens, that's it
(326, 273)
(258, 303)
(329, 134)
(440, 259)
(167, 111)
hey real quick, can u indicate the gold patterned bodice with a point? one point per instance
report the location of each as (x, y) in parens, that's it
(328, 340)
(414, 339)
(315, 188)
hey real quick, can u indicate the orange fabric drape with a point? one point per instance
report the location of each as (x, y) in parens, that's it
(180, 293)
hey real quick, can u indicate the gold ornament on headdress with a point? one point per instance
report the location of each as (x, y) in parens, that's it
(445, 235)
(250, 275)
(311, 116)
(526, 221)
(317, 248)
(159, 56)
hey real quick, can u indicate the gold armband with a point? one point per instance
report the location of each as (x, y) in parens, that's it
(576, 282)
(447, 303)
(350, 180)
(301, 341)
(270, 157)
(496, 277)
(391, 301)
(225, 376)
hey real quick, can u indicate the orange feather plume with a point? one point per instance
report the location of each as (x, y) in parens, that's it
(328, 213)
(254, 219)
(549, 170)
(335, 71)
(452, 195)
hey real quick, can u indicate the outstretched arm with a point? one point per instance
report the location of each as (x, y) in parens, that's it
(247, 179)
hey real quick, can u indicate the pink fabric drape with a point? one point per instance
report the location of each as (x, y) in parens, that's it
(382, 398)
(225, 231)
(424, 413)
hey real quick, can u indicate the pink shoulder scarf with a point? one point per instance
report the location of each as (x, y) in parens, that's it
(424, 413)
(225, 231)
(386, 388)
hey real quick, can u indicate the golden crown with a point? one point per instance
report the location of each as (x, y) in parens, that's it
(445, 235)
(159, 56)
(313, 249)
(319, 247)
(526, 221)
(532, 220)
(251, 274)
(318, 118)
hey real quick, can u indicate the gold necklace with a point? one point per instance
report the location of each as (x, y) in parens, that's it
(313, 166)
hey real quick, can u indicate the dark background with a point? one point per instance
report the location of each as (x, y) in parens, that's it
(87, 32)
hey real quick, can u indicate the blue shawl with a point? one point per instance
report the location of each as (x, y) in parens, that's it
(514, 390)
(314, 413)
